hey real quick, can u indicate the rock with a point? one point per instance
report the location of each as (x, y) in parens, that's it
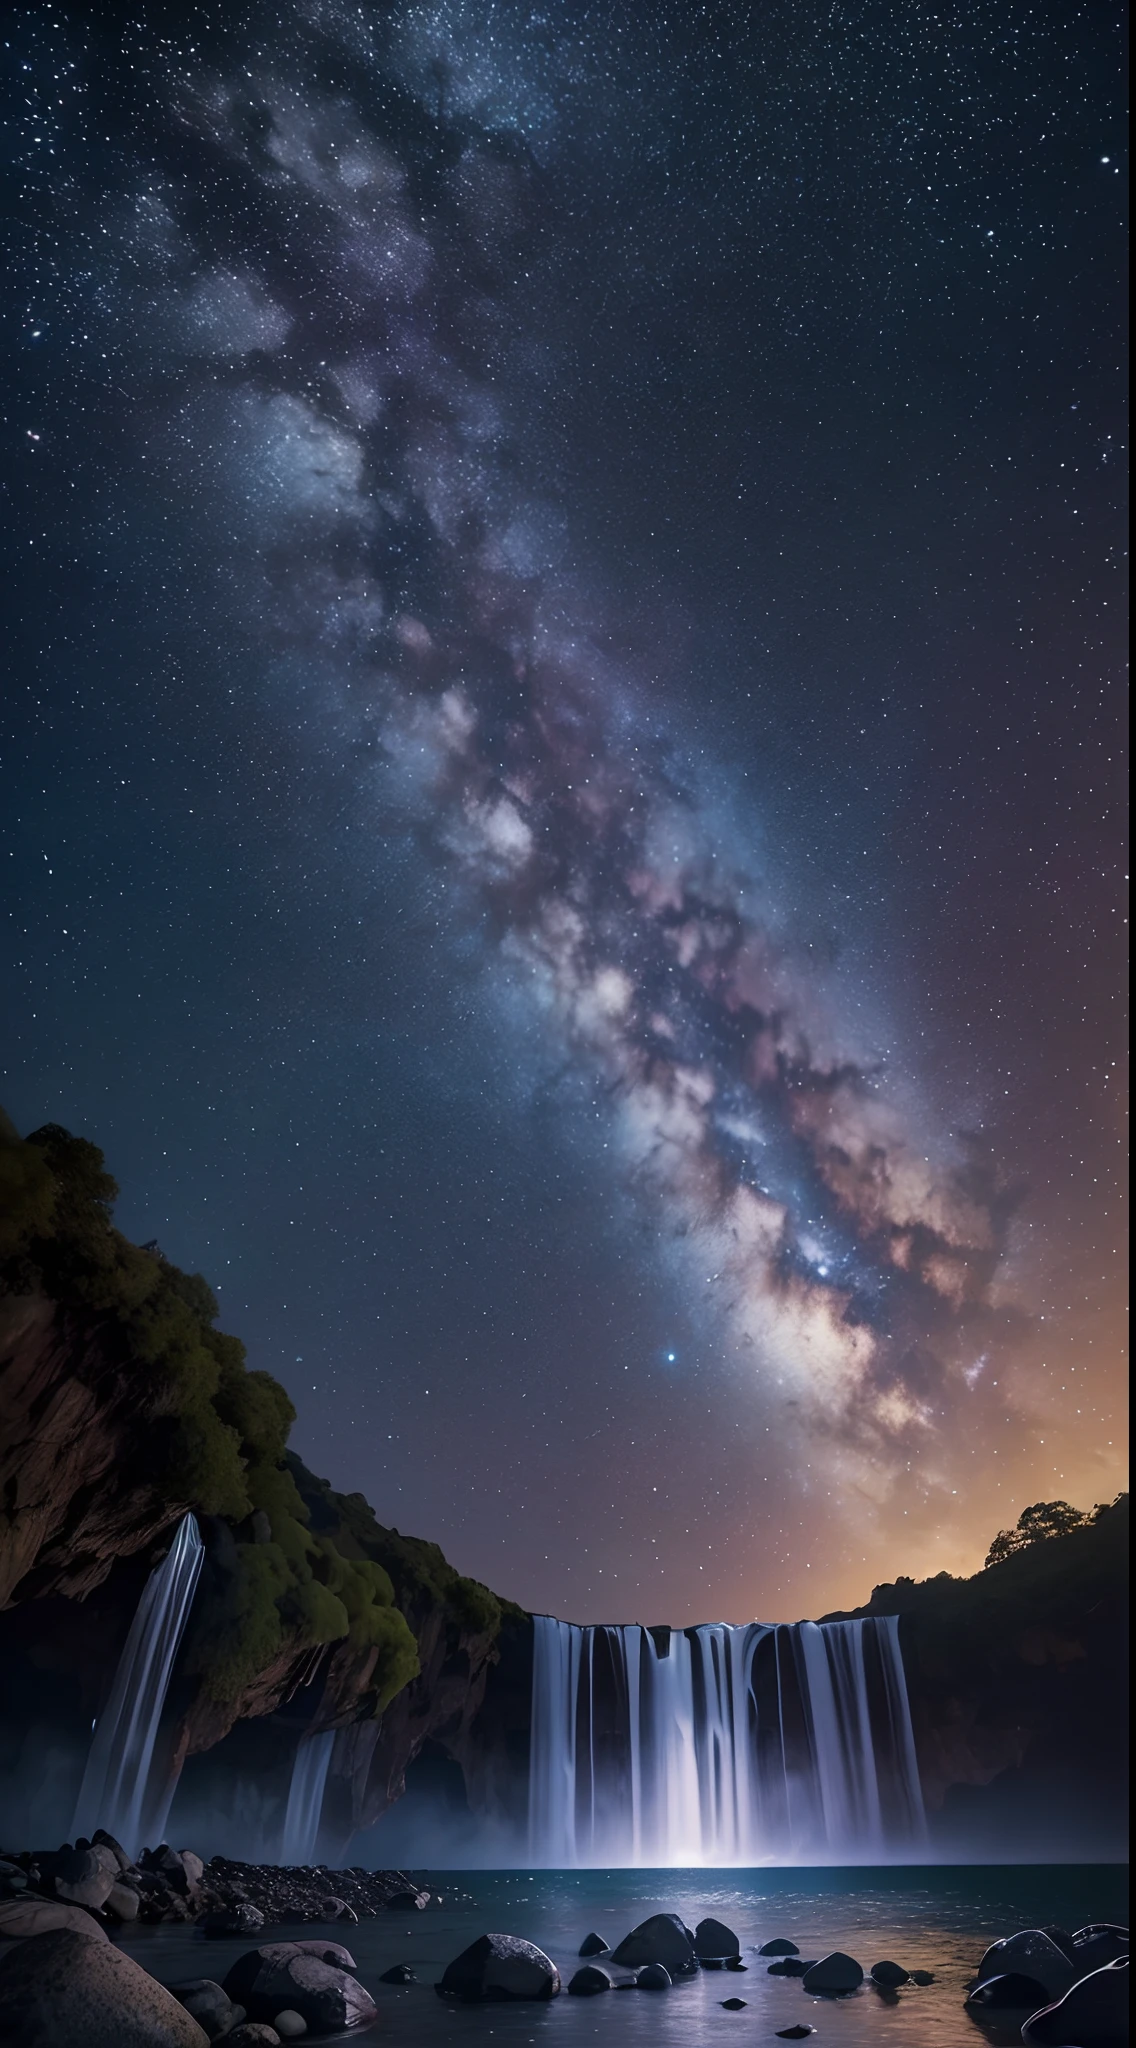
(400, 1974)
(1062, 1939)
(1093, 1947)
(1030, 1953)
(253, 2034)
(834, 1974)
(736, 1963)
(291, 2026)
(1023, 1994)
(791, 1966)
(778, 1947)
(12, 1879)
(210, 2005)
(62, 1990)
(588, 1981)
(798, 2033)
(888, 1974)
(593, 1945)
(1092, 2014)
(661, 1939)
(922, 1976)
(499, 1966)
(733, 2005)
(123, 1901)
(338, 1909)
(101, 1839)
(239, 1919)
(305, 1977)
(408, 1902)
(83, 1878)
(714, 1942)
(653, 1977)
(25, 1917)
(193, 1867)
(180, 1868)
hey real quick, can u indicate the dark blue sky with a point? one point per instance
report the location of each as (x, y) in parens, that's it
(563, 757)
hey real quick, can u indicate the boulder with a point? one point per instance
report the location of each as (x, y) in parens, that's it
(922, 1976)
(62, 1990)
(791, 1966)
(662, 1939)
(653, 1977)
(304, 1977)
(588, 1981)
(291, 2026)
(798, 2033)
(1093, 1947)
(400, 1974)
(736, 1963)
(593, 1945)
(733, 2005)
(180, 1868)
(210, 2005)
(338, 1909)
(1092, 2014)
(25, 1917)
(83, 1878)
(12, 1878)
(714, 1942)
(1029, 1953)
(1013, 1989)
(238, 1919)
(252, 2034)
(834, 1975)
(122, 1900)
(778, 1947)
(888, 1975)
(499, 1966)
(407, 1902)
(101, 1839)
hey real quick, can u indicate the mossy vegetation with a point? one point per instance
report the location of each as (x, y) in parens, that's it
(302, 1565)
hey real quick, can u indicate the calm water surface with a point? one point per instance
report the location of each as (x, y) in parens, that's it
(937, 1919)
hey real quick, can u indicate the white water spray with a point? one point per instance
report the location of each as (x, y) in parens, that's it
(116, 1792)
(305, 1798)
(721, 1745)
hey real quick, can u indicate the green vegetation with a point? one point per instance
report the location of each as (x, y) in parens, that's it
(1046, 1519)
(306, 1566)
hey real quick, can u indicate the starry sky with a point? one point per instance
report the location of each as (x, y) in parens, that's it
(562, 806)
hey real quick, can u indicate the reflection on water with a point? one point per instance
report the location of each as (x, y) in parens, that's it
(934, 1919)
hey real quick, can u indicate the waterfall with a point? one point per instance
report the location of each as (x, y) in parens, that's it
(116, 1792)
(305, 1798)
(721, 1745)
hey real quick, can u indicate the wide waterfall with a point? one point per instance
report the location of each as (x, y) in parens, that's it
(305, 1798)
(721, 1745)
(116, 1792)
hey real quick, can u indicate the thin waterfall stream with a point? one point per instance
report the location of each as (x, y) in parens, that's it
(116, 1792)
(721, 1745)
(305, 1798)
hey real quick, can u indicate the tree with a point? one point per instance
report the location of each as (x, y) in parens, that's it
(1037, 1524)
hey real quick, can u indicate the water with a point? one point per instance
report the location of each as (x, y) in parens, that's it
(721, 1745)
(925, 1918)
(305, 1798)
(116, 1792)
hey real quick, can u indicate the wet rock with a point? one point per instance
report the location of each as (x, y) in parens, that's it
(1095, 1946)
(1013, 1989)
(338, 1909)
(888, 1974)
(122, 1900)
(714, 1942)
(253, 2034)
(1029, 1953)
(400, 1974)
(1062, 1939)
(922, 1976)
(499, 1966)
(736, 1963)
(83, 1878)
(661, 1939)
(733, 2005)
(239, 1919)
(306, 1977)
(593, 1945)
(408, 1902)
(1092, 2014)
(180, 1868)
(834, 1975)
(291, 2026)
(588, 1981)
(798, 2033)
(653, 1977)
(12, 1879)
(791, 1966)
(26, 1917)
(61, 1989)
(209, 2004)
(778, 1947)
(102, 1840)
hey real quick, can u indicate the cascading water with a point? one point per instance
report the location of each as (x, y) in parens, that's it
(116, 1792)
(721, 1745)
(305, 1798)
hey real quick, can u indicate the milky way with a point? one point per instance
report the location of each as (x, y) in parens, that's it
(314, 293)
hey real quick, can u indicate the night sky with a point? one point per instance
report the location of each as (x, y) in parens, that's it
(562, 754)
